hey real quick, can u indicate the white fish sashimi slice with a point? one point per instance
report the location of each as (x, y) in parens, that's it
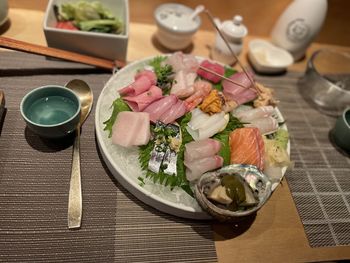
(197, 119)
(196, 168)
(200, 149)
(214, 127)
(255, 113)
(265, 125)
(131, 128)
(208, 126)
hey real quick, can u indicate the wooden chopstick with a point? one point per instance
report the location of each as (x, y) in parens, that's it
(223, 77)
(211, 18)
(58, 53)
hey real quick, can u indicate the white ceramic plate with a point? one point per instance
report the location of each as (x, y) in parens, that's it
(123, 162)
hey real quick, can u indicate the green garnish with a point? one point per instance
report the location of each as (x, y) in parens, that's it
(179, 180)
(118, 106)
(223, 137)
(164, 74)
(90, 16)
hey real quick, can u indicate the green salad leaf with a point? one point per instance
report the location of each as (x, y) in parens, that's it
(90, 16)
(118, 105)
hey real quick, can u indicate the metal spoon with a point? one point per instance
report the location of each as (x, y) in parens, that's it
(75, 195)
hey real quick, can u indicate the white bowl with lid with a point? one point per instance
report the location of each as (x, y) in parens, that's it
(176, 25)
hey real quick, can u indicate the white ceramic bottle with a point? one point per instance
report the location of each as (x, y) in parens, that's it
(299, 24)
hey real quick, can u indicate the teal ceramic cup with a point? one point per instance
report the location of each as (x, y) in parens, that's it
(341, 131)
(51, 111)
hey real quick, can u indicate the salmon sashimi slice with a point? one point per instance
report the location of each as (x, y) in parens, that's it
(247, 147)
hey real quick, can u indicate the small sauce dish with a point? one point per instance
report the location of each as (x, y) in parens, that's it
(176, 25)
(268, 58)
(51, 111)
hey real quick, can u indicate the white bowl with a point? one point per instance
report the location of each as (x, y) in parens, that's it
(175, 28)
(103, 45)
(268, 58)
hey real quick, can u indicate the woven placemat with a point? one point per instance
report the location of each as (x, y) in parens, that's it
(320, 180)
(34, 184)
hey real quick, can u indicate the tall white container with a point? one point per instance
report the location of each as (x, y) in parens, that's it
(298, 25)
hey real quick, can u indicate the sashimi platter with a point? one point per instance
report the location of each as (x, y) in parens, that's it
(192, 137)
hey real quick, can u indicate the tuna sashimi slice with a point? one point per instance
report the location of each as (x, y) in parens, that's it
(201, 149)
(148, 74)
(237, 93)
(175, 112)
(141, 101)
(213, 67)
(131, 129)
(140, 85)
(198, 167)
(159, 107)
(247, 147)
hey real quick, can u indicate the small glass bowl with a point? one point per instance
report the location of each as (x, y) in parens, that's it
(326, 83)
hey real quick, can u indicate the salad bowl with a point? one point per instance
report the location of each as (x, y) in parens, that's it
(124, 162)
(103, 45)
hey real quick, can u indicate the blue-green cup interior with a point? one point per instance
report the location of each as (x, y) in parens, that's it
(51, 111)
(341, 131)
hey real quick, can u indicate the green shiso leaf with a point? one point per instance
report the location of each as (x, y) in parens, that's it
(118, 106)
(164, 73)
(171, 181)
(223, 137)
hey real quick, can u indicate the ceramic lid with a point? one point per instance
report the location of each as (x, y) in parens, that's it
(176, 17)
(234, 28)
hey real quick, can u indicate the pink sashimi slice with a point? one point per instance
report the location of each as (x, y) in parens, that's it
(201, 149)
(139, 86)
(180, 61)
(198, 167)
(175, 112)
(213, 67)
(237, 93)
(183, 84)
(247, 147)
(149, 74)
(157, 108)
(141, 101)
(131, 129)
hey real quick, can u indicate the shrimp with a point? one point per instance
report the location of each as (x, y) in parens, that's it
(201, 90)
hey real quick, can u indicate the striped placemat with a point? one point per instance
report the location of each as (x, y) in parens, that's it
(320, 180)
(34, 184)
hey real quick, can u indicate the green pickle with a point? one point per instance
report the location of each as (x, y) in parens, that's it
(235, 190)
